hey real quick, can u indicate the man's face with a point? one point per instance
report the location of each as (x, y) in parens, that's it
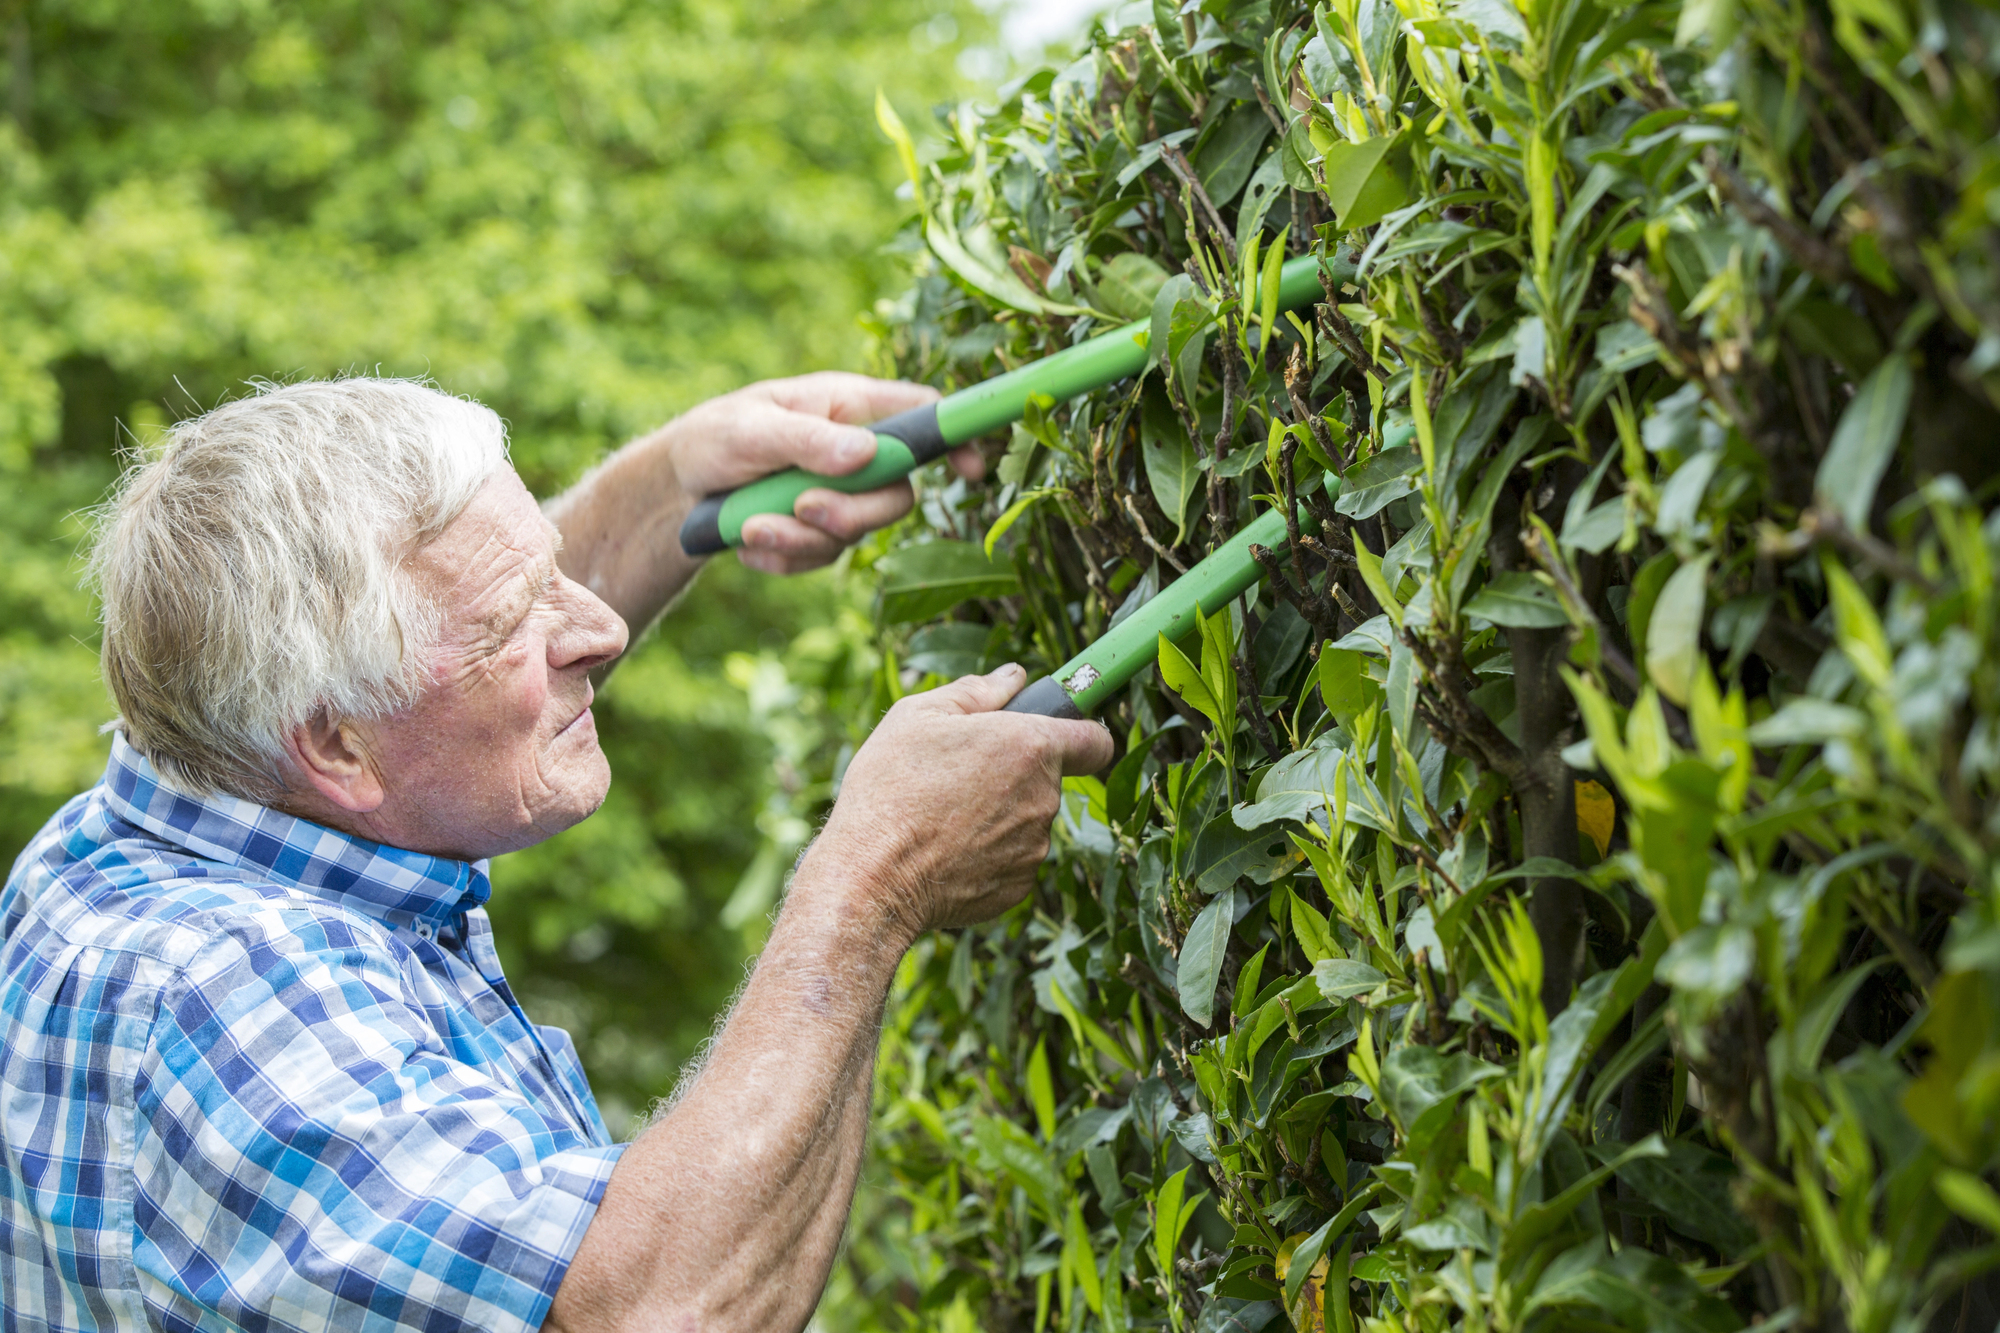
(501, 751)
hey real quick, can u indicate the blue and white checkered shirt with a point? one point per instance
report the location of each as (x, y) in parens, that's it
(257, 1074)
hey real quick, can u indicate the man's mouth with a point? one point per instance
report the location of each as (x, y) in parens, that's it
(581, 713)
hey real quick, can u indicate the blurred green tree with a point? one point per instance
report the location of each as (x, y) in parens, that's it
(587, 215)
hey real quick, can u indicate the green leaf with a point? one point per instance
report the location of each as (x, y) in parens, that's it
(1362, 183)
(1959, 1032)
(1646, 585)
(1378, 481)
(1187, 334)
(1170, 1218)
(1673, 634)
(1173, 469)
(1082, 1261)
(1421, 1088)
(1648, 1040)
(1267, 185)
(1809, 721)
(1271, 284)
(1226, 852)
(1829, 329)
(1127, 284)
(987, 273)
(1218, 669)
(1518, 599)
(1857, 627)
(1041, 1090)
(1370, 565)
(1013, 513)
(1184, 679)
(924, 581)
(906, 148)
(1402, 690)
(1692, 1186)
(1177, 288)
(1201, 956)
(1246, 982)
(1970, 1197)
(1315, 934)
(1343, 685)
(1343, 978)
(1295, 152)
(1540, 1221)
(1007, 1148)
(951, 649)
(1681, 496)
(1306, 1257)
(1864, 441)
(1589, 528)
(1713, 961)
(1225, 161)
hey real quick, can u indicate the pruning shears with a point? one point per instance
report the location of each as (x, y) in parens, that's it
(910, 439)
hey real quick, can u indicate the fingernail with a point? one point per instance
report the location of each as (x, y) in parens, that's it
(856, 448)
(1010, 669)
(814, 514)
(759, 535)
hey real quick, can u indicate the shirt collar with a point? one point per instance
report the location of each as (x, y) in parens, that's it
(398, 887)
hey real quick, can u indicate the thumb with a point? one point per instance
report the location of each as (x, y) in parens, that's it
(979, 694)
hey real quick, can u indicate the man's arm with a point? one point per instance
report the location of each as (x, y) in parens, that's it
(621, 524)
(726, 1214)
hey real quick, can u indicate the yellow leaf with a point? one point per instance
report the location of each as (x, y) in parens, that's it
(1970, 1197)
(1596, 815)
(1309, 1315)
(892, 126)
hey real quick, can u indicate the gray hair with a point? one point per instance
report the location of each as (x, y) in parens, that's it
(251, 569)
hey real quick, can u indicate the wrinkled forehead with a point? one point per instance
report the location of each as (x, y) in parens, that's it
(501, 541)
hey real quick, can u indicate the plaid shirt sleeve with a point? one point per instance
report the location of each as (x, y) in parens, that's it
(308, 1155)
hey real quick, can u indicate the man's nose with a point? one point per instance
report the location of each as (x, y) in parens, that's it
(592, 633)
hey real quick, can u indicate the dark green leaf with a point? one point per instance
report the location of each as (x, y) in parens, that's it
(1231, 152)
(1226, 852)
(1173, 469)
(1692, 1186)
(1519, 599)
(1201, 956)
(929, 579)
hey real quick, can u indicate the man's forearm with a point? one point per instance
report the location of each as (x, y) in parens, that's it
(621, 530)
(727, 1214)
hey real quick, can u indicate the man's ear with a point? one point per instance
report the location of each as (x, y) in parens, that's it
(334, 760)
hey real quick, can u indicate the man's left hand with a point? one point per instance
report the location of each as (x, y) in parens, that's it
(812, 422)
(621, 524)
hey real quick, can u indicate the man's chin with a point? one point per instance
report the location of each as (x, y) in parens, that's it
(586, 783)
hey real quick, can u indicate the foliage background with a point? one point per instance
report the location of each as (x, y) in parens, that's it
(1563, 896)
(589, 216)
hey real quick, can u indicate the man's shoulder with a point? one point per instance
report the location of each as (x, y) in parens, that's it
(89, 880)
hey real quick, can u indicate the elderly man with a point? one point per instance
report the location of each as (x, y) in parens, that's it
(259, 1067)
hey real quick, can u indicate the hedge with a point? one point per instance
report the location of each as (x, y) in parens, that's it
(1563, 895)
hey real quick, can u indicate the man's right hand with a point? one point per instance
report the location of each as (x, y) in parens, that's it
(944, 814)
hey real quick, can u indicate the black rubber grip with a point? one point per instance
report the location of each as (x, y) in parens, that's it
(917, 428)
(701, 534)
(1046, 697)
